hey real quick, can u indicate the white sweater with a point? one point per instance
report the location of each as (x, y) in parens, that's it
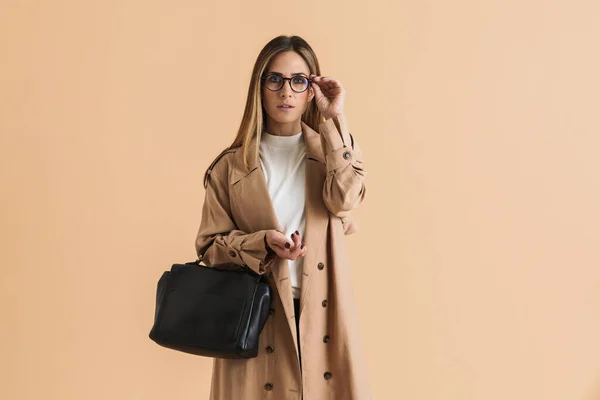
(283, 159)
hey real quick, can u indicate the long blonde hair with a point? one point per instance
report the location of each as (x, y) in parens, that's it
(254, 118)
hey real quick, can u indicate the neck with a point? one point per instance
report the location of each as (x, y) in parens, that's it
(283, 128)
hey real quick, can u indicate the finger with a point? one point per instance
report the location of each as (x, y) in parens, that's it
(295, 251)
(318, 91)
(330, 89)
(316, 80)
(333, 88)
(328, 79)
(320, 80)
(331, 83)
(283, 252)
(330, 93)
(277, 248)
(295, 254)
(303, 250)
(284, 242)
(296, 238)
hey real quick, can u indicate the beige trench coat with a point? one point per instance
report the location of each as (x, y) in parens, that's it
(236, 215)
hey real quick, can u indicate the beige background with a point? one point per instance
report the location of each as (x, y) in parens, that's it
(476, 264)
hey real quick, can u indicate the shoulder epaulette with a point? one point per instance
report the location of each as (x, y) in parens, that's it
(212, 165)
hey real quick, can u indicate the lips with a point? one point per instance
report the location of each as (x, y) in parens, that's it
(285, 106)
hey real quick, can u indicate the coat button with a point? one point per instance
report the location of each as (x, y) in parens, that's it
(270, 349)
(324, 303)
(327, 375)
(320, 265)
(347, 155)
(268, 386)
(232, 253)
(271, 311)
(325, 338)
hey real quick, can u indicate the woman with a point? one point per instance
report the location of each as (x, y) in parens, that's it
(279, 200)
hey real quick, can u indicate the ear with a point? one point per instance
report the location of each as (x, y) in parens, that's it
(311, 94)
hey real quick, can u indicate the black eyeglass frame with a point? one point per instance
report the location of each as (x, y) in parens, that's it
(262, 78)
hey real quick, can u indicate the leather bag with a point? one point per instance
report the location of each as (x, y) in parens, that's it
(214, 311)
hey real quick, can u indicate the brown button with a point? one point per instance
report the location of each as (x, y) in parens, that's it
(232, 253)
(320, 265)
(325, 338)
(347, 155)
(271, 311)
(270, 349)
(268, 386)
(324, 303)
(327, 375)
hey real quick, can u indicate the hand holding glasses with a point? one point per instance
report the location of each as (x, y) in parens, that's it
(329, 95)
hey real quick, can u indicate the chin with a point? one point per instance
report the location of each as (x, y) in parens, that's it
(285, 118)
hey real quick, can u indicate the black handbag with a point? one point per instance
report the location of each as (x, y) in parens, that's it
(217, 311)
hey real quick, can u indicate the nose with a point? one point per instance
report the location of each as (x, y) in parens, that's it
(286, 90)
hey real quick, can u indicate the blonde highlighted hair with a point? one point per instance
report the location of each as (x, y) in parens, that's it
(254, 118)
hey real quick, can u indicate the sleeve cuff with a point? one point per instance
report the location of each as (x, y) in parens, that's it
(335, 133)
(339, 158)
(252, 252)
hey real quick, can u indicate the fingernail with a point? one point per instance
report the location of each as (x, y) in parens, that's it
(292, 235)
(287, 245)
(297, 233)
(302, 246)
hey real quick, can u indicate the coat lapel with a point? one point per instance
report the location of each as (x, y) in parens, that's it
(252, 187)
(317, 215)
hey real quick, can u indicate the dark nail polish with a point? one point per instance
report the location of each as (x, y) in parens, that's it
(287, 245)
(292, 235)
(297, 233)
(302, 246)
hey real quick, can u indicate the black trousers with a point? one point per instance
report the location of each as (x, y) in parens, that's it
(297, 315)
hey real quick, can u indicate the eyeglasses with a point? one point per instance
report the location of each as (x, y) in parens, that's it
(274, 82)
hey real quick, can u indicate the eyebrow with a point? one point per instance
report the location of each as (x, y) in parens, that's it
(294, 74)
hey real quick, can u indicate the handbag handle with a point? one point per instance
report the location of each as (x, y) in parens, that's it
(242, 267)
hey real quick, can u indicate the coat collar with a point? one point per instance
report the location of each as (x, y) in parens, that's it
(314, 150)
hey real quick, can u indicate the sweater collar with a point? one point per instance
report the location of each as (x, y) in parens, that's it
(281, 142)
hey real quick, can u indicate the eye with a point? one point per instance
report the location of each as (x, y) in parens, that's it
(299, 79)
(274, 78)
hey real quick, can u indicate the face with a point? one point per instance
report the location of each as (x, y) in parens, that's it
(288, 64)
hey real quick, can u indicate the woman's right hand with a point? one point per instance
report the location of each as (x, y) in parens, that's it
(278, 242)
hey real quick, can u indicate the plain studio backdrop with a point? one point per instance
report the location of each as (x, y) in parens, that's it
(476, 267)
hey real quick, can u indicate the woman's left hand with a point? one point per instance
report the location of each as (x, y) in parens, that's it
(329, 95)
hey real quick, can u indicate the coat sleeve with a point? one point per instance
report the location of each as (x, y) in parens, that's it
(344, 187)
(218, 240)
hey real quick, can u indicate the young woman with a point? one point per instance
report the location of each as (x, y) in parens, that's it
(279, 200)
